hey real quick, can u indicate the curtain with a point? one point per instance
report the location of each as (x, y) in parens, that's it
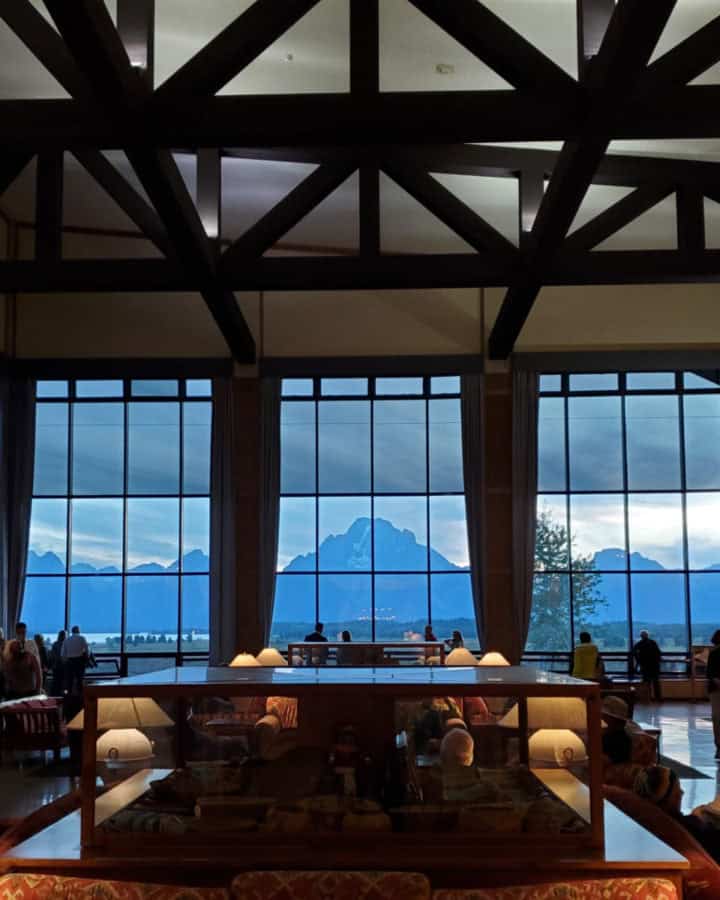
(471, 403)
(270, 391)
(245, 498)
(524, 498)
(17, 451)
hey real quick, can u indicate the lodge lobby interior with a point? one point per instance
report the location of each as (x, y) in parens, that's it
(356, 357)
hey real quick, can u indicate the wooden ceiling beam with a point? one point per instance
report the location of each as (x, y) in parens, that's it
(136, 27)
(690, 211)
(365, 82)
(498, 45)
(685, 62)
(208, 192)
(628, 43)
(452, 211)
(233, 49)
(286, 214)
(617, 216)
(49, 206)
(593, 18)
(11, 165)
(98, 51)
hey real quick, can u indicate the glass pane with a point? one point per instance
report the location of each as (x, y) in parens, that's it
(703, 530)
(197, 423)
(704, 606)
(296, 536)
(598, 531)
(700, 381)
(198, 387)
(297, 387)
(98, 388)
(655, 524)
(594, 382)
(595, 444)
(151, 622)
(196, 534)
(452, 607)
(445, 384)
(650, 381)
(294, 613)
(658, 604)
(51, 449)
(398, 386)
(152, 534)
(43, 607)
(344, 534)
(600, 607)
(297, 448)
(343, 387)
(98, 448)
(445, 436)
(401, 607)
(399, 453)
(96, 606)
(401, 534)
(448, 534)
(154, 388)
(551, 534)
(46, 389)
(153, 448)
(550, 614)
(550, 383)
(346, 603)
(653, 443)
(551, 444)
(195, 614)
(47, 552)
(344, 446)
(96, 543)
(702, 441)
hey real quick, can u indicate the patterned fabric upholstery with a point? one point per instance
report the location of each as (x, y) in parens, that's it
(285, 708)
(605, 889)
(24, 886)
(331, 886)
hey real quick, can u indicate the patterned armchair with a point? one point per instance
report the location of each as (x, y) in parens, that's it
(331, 886)
(605, 889)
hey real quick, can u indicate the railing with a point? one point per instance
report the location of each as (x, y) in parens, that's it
(618, 664)
(365, 653)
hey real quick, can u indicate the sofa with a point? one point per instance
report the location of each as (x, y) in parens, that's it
(326, 885)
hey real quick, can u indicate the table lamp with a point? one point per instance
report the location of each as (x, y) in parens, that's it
(244, 659)
(493, 658)
(556, 746)
(271, 657)
(550, 712)
(460, 657)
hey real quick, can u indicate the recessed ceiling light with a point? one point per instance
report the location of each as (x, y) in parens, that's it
(288, 57)
(444, 69)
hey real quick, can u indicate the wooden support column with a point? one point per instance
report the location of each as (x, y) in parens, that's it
(136, 26)
(49, 207)
(209, 191)
(498, 511)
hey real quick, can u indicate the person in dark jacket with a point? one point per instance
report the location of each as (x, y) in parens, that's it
(713, 685)
(57, 665)
(648, 657)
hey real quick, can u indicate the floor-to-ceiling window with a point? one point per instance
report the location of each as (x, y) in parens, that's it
(628, 510)
(373, 536)
(119, 534)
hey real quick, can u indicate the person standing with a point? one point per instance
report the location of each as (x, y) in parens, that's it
(648, 657)
(587, 662)
(76, 655)
(713, 686)
(21, 666)
(57, 666)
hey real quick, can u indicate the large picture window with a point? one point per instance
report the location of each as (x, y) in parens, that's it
(373, 536)
(628, 510)
(120, 524)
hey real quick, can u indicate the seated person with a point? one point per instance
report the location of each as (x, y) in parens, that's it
(456, 641)
(462, 781)
(317, 656)
(345, 655)
(616, 738)
(661, 786)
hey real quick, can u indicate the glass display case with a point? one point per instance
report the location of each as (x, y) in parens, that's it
(482, 760)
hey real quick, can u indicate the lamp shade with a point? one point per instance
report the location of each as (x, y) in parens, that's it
(121, 746)
(557, 746)
(125, 712)
(460, 657)
(493, 658)
(271, 657)
(550, 712)
(244, 659)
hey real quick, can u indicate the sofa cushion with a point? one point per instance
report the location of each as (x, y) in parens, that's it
(25, 886)
(602, 889)
(702, 880)
(331, 886)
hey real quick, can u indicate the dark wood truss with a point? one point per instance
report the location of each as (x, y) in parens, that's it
(410, 136)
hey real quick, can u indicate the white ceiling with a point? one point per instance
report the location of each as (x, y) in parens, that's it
(312, 56)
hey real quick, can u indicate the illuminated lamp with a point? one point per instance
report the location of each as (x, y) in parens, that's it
(557, 747)
(493, 658)
(122, 747)
(271, 657)
(244, 659)
(460, 657)
(550, 712)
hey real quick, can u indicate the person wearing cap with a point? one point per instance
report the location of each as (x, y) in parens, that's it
(713, 685)
(648, 657)
(661, 786)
